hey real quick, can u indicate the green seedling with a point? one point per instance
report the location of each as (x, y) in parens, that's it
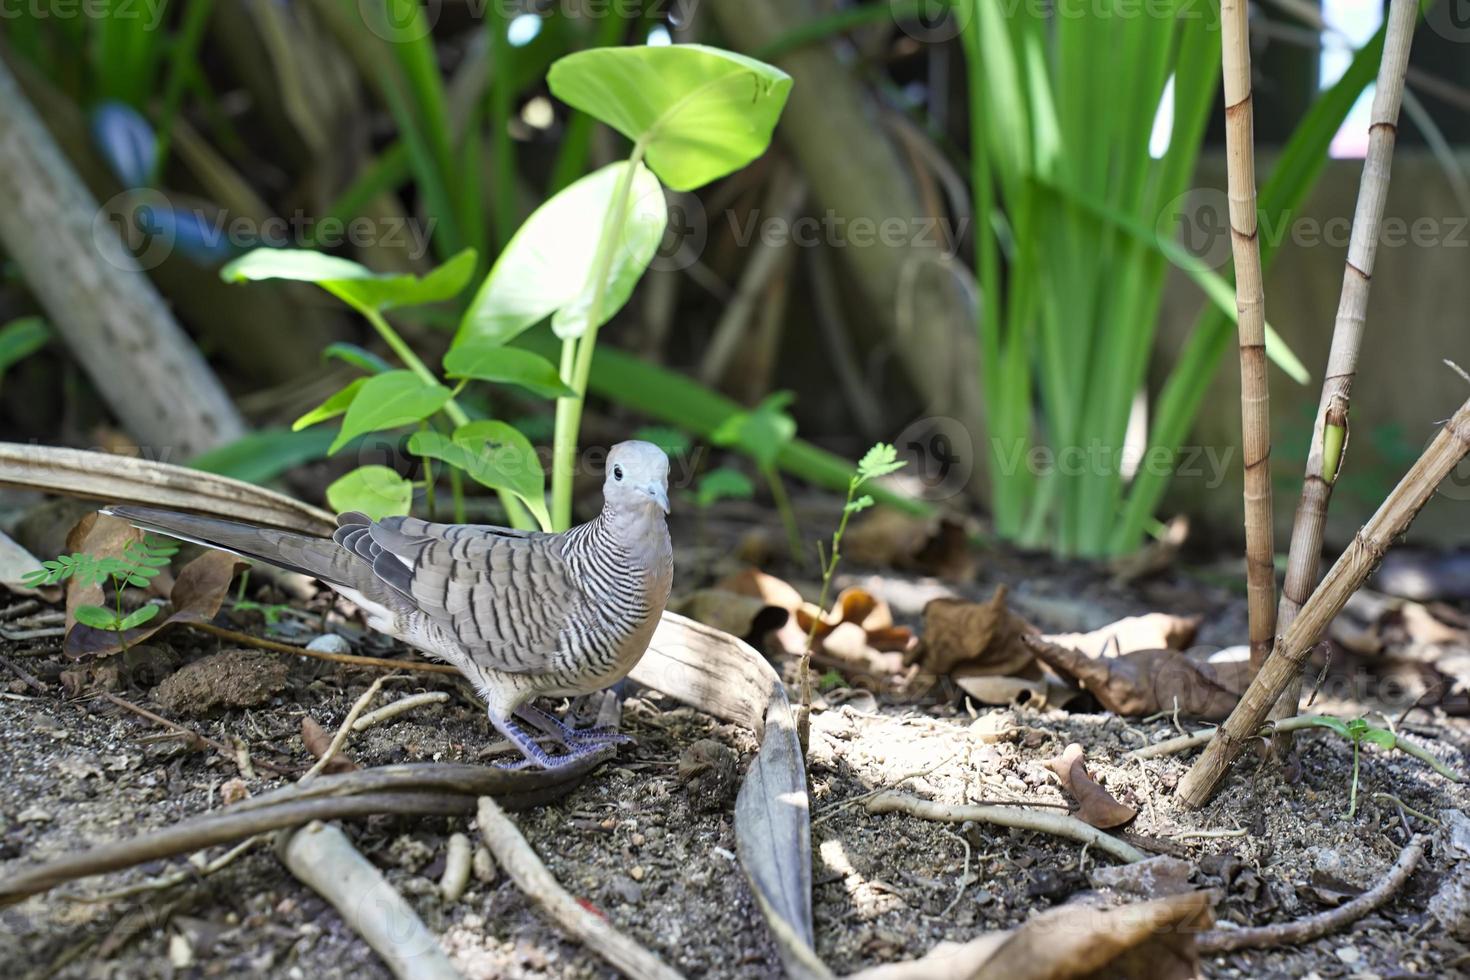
(877, 462)
(1358, 731)
(139, 563)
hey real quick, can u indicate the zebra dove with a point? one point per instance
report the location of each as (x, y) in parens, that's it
(520, 613)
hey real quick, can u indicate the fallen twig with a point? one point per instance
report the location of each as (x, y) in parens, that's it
(322, 857)
(30, 679)
(345, 728)
(1393, 518)
(1041, 821)
(433, 789)
(530, 875)
(1316, 926)
(261, 643)
(397, 708)
(197, 738)
(197, 868)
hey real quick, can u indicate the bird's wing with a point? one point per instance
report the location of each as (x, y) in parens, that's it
(503, 594)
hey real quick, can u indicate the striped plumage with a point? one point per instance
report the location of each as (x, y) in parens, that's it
(520, 613)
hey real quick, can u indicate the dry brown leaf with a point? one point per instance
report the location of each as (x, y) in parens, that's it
(195, 598)
(1096, 805)
(983, 637)
(768, 588)
(746, 616)
(889, 538)
(1150, 681)
(1144, 941)
(1154, 631)
(317, 741)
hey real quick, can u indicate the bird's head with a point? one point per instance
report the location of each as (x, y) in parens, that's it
(637, 476)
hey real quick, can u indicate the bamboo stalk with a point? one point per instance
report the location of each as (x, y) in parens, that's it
(1250, 304)
(1329, 437)
(1392, 519)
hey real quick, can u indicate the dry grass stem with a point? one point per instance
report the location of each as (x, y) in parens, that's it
(1041, 821)
(401, 706)
(525, 868)
(1250, 304)
(1316, 926)
(1393, 518)
(1329, 435)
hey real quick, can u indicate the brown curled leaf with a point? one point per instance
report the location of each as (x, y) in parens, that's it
(196, 597)
(1154, 631)
(1149, 681)
(317, 742)
(1095, 805)
(983, 637)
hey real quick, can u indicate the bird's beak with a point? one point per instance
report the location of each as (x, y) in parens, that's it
(659, 494)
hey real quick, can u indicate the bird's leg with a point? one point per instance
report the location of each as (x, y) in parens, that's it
(534, 754)
(570, 737)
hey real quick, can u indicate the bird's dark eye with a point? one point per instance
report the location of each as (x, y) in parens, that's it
(617, 472)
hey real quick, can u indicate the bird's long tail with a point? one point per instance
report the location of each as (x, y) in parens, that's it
(318, 557)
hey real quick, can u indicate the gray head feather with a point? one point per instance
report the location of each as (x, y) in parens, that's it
(637, 477)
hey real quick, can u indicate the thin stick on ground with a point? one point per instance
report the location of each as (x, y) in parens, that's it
(345, 728)
(402, 705)
(323, 858)
(1319, 925)
(261, 643)
(1362, 556)
(1056, 824)
(524, 867)
(1329, 436)
(427, 789)
(189, 733)
(1250, 304)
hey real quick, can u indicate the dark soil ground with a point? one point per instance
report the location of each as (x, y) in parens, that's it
(659, 859)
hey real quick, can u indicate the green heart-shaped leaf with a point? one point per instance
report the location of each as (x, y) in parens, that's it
(495, 455)
(388, 400)
(546, 268)
(354, 284)
(331, 408)
(699, 112)
(376, 491)
(485, 361)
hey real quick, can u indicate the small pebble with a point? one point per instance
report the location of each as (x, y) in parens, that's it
(1349, 955)
(483, 865)
(329, 643)
(33, 814)
(637, 872)
(180, 953)
(626, 889)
